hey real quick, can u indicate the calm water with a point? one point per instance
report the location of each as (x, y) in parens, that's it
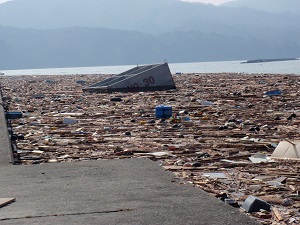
(284, 67)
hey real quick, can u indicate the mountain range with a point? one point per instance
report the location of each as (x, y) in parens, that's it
(277, 6)
(70, 33)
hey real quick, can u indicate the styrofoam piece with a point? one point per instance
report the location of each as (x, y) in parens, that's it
(69, 121)
(287, 150)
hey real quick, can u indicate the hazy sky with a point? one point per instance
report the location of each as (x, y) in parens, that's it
(216, 2)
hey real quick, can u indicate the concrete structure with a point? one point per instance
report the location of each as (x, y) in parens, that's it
(156, 77)
(128, 191)
(6, 148)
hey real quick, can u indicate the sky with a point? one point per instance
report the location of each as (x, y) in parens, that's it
(215, 2)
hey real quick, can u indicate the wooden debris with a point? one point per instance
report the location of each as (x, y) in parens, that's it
(219, 121)
(6, 201)
(277, 214)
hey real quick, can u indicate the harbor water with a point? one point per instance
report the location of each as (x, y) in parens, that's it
(281, 67)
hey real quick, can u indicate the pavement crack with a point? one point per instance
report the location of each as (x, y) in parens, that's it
(68, 214)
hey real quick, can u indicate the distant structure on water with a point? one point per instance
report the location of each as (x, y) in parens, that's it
(269, 60)
(155, 77)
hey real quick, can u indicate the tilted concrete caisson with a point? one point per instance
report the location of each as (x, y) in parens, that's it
(155, 77)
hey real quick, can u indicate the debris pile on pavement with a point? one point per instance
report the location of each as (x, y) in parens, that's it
(222, 133)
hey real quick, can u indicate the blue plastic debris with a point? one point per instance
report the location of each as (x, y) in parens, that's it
(80, 81)
(13, 115)
(273, 93)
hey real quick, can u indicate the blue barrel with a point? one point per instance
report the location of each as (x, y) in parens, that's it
(163, 111)
(168, 111)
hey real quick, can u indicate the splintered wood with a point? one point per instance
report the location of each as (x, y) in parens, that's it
(6, 201)
(224, 129)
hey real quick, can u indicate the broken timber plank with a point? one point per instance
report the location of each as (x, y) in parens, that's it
(277, 214)
(190, 168)
(6, 201)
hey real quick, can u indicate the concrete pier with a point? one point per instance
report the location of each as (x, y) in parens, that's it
(128, 191)
(5, 146)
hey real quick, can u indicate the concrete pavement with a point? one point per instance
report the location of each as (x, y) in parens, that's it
(130, 191)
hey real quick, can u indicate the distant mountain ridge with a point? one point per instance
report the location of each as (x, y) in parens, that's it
(68, 33)
(149, 16)
(277, 6)
(79, 46)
